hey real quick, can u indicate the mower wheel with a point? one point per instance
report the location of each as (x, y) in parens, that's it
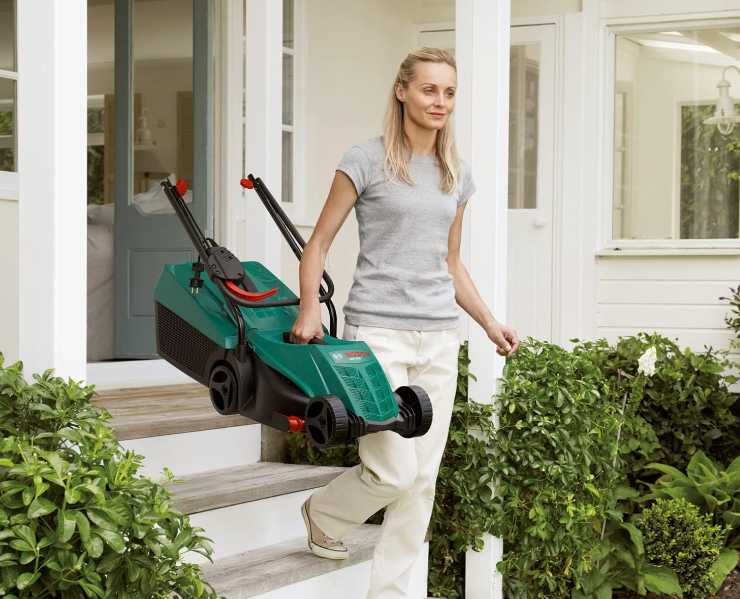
(224, 390)
(418, 403)
(327, 423)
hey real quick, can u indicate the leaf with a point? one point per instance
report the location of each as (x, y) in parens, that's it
(676, 474)
(113, 539)
(40, 507)
(83, 525)
(625, 492)
(635, 536)
(27, 579)
(95, 546)
(99, 517)
(661, 579)
(66, 524)
(26, 534)
(721, 567)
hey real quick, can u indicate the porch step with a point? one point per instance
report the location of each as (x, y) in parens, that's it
(248, 507)
(244, 484)
(264, 571)
(153, 411)
(176, 426)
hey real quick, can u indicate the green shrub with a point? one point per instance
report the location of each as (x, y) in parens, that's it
(553, 467)
(678, 536)
(710, 488)
(75, 518)
(685, 406)
(733, 318)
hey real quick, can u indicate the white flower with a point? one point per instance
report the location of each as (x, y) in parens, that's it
(647, 362)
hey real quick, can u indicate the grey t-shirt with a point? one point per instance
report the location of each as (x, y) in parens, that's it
(401, 280)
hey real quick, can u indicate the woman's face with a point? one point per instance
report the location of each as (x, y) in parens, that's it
(430, 97)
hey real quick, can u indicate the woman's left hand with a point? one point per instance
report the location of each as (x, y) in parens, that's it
(505, 338)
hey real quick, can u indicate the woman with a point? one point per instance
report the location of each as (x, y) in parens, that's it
(409, 190)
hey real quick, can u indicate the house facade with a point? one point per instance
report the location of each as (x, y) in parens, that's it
(599, 212)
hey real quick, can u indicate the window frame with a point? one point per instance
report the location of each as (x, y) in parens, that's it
(9, 179)
(609, 245)
(297, 210)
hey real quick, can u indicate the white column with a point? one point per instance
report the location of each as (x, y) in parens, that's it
(52, 185)
(264, 93)
(482, 48)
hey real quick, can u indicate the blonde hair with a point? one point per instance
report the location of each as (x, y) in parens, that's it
(397, 146)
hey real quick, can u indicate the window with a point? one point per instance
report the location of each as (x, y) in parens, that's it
(289, 57)
(8, 79)
(95, 150)
(524, 84)
(675, 172)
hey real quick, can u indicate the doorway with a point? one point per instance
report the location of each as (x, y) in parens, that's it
(149, 117)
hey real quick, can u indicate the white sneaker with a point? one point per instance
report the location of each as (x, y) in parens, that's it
(319, 543)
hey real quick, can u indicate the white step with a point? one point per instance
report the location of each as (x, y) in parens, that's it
(176, 426)
(201, 451)
(249, 507)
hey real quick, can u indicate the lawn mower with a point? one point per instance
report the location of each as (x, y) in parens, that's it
(230, 331)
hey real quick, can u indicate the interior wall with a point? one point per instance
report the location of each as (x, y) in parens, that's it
(162, 67)
(9, 268)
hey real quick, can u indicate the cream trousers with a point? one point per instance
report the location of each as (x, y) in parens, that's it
(396, 473)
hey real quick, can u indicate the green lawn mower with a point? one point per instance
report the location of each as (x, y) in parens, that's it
(224, 332)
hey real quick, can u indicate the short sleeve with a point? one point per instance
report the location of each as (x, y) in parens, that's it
(356, 164)
(466, 184)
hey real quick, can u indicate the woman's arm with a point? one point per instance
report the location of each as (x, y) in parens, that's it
(339, 202)
(468, 298)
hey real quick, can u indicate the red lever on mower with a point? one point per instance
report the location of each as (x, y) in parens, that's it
(249, 295)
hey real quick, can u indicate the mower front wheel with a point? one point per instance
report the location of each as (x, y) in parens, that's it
(327, 423)
(417, 402)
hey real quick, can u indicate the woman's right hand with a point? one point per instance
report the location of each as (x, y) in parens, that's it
(308, 325)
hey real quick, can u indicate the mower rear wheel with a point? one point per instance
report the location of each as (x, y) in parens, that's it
(223, 388)
(418, 402)
(327, 423)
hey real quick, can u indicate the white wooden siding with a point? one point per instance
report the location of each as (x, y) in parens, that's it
(675, 296)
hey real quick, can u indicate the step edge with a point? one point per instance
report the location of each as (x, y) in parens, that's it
(304, 478)
(130, 431)
(361, 543)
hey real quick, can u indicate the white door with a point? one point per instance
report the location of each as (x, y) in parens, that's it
(531, 180)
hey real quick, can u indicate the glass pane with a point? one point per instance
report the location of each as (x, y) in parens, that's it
(710, 167)
(7, 125)
(287, 167)
(524, 79)
(675, 170)
(163, 94)
(287, 89)
(288, 23)
(95, 150)
(7, 35)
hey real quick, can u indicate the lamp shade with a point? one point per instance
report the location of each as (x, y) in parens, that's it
(725, 115)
